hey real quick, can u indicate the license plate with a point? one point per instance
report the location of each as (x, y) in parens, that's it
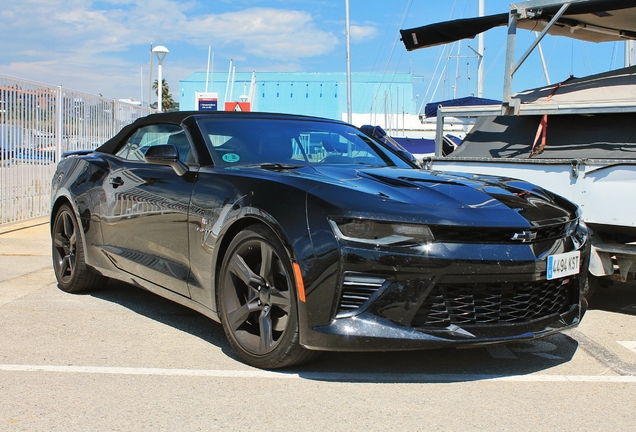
(564, 264)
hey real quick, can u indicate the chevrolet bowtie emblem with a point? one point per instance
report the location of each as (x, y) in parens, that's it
(525, 236)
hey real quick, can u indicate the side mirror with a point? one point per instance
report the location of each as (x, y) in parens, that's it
(167, 155)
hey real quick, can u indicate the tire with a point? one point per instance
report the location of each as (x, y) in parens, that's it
(589, 286)
(257, 301)
(69, 264)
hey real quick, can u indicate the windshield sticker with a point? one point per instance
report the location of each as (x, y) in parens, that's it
(231, 158)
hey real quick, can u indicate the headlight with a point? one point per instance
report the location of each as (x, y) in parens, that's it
(381, 233)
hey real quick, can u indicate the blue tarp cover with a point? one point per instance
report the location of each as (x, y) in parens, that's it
(411, 145)
(417, 145)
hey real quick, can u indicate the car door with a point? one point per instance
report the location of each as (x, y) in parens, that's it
(146, 223)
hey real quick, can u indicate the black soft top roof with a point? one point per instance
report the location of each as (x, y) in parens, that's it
(169, 118)
(178, 117)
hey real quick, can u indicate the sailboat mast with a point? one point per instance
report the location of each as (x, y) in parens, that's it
(630, 54)
(480, 49)
(543, 63)
(227, 84)
(348, 37)
(207, 72)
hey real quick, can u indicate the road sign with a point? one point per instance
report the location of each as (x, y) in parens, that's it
(207, 101)
(237, 106)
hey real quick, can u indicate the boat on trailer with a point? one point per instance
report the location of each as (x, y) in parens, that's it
(576, 138)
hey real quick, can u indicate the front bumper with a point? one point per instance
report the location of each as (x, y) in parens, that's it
(390, 301)
(371, 330)
(368, 332)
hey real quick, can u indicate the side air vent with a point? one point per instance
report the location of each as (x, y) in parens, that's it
(356, 291)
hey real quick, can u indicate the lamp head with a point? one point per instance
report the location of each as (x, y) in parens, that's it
(160, 51)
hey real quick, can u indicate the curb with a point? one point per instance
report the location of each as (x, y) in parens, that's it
(20, 225)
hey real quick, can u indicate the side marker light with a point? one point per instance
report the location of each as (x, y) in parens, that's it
(300, 285)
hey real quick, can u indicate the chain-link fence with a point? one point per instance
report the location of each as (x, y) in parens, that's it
(38, 123)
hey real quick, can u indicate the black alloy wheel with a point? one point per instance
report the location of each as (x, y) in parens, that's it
(68, 255)
(590, 283)
(257, 301)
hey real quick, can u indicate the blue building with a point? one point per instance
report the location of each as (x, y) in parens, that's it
(317, 94)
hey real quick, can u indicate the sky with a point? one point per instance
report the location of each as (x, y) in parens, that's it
(102, 47)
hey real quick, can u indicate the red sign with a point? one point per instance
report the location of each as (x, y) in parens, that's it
(237, 106)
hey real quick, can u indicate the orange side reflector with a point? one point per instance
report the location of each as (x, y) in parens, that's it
(300, 286)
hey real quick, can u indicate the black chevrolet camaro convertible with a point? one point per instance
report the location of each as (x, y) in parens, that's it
(302, 234)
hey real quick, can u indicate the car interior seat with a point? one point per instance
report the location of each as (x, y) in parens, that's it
(273, 148)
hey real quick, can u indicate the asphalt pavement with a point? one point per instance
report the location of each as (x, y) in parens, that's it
(25, 258)
(126, 360)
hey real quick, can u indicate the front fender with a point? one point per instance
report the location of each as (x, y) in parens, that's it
(75, 183)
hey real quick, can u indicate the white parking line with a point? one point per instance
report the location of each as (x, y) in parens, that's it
(321, 376)
(630, 345)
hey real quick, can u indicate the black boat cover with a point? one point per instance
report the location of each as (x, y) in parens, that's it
(600, 136)
(593, 20)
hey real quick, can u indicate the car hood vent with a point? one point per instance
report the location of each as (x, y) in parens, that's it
(406, 182)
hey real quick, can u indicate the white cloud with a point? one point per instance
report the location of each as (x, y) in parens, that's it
(265, 32)
(362, 33)
(74, 44)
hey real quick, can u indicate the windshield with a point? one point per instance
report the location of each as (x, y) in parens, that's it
(290, 142)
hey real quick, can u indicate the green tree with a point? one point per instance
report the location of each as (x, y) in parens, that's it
(166, 98)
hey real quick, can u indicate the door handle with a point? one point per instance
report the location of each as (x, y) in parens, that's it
(116, 182)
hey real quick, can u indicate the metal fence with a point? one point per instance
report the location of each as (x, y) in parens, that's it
(38, 123)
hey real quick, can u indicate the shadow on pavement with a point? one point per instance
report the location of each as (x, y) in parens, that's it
(618, 297)
(164, 311)
(447, 365)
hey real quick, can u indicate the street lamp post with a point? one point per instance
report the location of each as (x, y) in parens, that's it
(160, 51)
(348, 42)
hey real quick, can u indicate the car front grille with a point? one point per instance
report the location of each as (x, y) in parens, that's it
(483, 304)
(356, 291)
(458, 234)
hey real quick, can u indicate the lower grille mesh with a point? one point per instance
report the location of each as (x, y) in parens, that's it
(466, 304)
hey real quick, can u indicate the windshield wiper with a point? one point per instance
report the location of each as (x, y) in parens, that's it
(278, 166)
